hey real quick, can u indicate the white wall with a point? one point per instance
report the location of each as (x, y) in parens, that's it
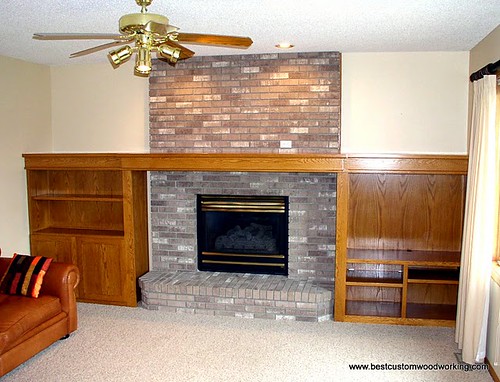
(391, 103)
(404, 102)
(25, 127)
(96, 108)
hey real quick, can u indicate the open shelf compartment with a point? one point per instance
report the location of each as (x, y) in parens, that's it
(370, 274)
(433, 275)
(374, 301)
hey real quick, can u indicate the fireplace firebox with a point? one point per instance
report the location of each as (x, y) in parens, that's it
(245, 234)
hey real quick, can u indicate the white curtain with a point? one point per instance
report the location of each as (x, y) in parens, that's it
(480, 223)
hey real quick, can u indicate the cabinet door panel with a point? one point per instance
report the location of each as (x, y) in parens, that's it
(58, 247)
(101, 263)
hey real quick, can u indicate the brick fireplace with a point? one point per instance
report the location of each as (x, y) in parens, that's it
(311, 266)
(311, 222)
(271, 103)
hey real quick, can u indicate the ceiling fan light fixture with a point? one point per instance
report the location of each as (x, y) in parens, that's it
(143, 62)
(284, 45)
(170, 53)
(119, 56)
(146, 33)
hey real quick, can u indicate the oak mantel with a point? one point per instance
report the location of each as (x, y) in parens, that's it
(320, 163)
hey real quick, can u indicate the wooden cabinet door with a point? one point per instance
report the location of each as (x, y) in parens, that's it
(60, 248)
(102, 267)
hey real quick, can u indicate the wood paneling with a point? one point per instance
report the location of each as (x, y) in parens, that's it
(407, 164)
(72, 161)
(89, 215)
(235, 162)
(399, 211)
(432, 294)
(341, 245)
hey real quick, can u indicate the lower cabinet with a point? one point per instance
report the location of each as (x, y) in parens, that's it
(106, 276)
(102, 262)
(60, 248)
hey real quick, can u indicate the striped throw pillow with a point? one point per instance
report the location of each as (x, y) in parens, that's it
(24, 276)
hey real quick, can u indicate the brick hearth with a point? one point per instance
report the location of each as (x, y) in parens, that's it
(238, 295)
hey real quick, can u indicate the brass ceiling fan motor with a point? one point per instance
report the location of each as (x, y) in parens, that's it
(147, 32)
(136, 22)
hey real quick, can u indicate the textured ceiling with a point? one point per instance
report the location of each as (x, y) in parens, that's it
(314, 25)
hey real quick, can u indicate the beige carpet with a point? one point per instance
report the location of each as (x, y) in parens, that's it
(134, 344)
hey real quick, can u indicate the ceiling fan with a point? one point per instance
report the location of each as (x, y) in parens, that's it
(144, 33)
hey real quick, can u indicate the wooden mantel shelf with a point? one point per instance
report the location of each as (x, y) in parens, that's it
(319, 163)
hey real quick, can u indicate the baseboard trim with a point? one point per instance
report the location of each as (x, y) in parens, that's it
(491, 370)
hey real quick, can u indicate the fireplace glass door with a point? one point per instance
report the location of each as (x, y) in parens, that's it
(245, 234)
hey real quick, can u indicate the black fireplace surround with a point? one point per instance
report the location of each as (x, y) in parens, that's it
(244, 234)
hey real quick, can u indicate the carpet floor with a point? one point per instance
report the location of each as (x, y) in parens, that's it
(134, 344)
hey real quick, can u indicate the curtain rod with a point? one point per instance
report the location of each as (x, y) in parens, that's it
(491, 68)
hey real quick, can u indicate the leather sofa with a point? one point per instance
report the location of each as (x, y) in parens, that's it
(29, 325)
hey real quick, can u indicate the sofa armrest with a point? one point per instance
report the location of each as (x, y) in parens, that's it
(61, 280)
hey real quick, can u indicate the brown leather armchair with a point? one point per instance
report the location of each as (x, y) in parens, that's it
(29, 325)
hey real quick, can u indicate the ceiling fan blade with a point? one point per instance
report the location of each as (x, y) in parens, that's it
(185, 52)
(213, 39)
(79, 36)
(98, 48)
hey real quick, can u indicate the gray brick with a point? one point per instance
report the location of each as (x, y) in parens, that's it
(186, 302)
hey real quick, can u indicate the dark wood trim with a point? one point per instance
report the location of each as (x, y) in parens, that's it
(492, 372)
(491, 68)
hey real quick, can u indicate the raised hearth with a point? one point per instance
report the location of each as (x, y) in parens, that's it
(236, 294)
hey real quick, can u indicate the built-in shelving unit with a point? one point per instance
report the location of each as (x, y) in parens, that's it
(399, 231)
(398, 237)
(402, 284)
(93, 217)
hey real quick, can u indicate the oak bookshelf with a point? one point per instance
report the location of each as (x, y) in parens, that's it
(95, 218)
(399, 231)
